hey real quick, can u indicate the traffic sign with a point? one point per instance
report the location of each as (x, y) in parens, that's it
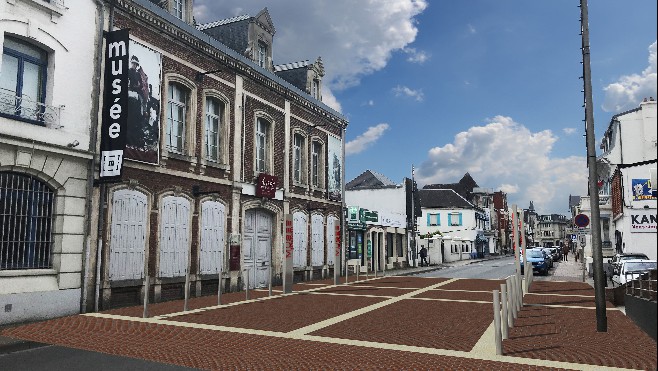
(583, 231)
(581, 220)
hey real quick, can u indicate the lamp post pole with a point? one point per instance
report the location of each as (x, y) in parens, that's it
(597, 253)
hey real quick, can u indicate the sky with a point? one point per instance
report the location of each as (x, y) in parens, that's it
(491, 88)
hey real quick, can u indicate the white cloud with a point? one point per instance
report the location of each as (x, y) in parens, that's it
(627, 92)
(569, 131)
(471, 29)
(505, 155)
(369, 103)
(416, 56)
(406, 91)
(330, 100)
(365, 140)
(352, 43)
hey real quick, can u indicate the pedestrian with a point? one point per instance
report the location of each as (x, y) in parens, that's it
(565, 253)
(423, 257)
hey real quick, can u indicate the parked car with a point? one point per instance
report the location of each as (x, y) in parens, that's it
(615, 262)
(548, 255)
(631, 269)
(558, 252)
(552, 252)
(538, 259)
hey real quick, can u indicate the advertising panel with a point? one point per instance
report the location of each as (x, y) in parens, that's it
(144, 80)
(642, 190)
(335, 168)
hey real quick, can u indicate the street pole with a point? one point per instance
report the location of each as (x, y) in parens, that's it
(597, 253)
(413, 218)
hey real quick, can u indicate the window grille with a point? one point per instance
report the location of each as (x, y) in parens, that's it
(26, 215)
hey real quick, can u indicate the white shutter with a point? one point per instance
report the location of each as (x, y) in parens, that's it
(300, 242)
(128, 235)
(213, 229)
(331, 239)
(317, 246)
(174, 236)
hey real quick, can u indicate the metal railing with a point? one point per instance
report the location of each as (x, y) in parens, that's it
(24, 108)
(643, 287)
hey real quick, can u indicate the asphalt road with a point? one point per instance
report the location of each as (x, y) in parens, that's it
(49, 357)
(488, 269)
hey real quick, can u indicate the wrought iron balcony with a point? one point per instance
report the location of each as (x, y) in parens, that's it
(25, 109)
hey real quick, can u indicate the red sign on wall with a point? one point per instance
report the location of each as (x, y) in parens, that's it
(266, 185)
(289, 238)
(337, 240)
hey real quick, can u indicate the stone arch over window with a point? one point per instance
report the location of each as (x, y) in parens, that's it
(263, 152)
(179, 116)
(216, 112)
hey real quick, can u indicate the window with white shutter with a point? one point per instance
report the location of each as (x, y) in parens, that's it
(174, 236)
(213, 232)
(128, 235)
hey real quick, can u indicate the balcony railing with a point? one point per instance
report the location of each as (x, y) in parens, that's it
(25, 109)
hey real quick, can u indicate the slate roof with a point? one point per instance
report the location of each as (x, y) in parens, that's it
(574, 201)
(442, 198)
(370, 180)
(290, 66)
(222, 22)
(464, 187)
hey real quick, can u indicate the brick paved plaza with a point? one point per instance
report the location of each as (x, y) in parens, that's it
(379, 323)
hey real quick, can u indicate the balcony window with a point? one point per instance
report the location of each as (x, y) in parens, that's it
(23, 82)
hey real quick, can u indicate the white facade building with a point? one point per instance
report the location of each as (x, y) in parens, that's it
(625, 175)
(450, 227)
(47, 104)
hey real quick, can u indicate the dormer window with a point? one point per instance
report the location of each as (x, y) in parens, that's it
(315, 88)
(178, 9)
(262, 54)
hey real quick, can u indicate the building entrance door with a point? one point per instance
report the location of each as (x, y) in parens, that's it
(257, 247)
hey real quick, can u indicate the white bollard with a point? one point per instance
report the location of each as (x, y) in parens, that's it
(503, 314)
(515, 297)
(187, 290)
(510, 317)
(497, 334)
(145, 313)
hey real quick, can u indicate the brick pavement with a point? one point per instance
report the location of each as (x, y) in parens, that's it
(428, 324)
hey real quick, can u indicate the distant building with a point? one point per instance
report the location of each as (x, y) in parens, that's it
(551, 230)
(376, 208)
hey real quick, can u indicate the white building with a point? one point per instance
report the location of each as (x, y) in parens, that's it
(627, 188)
(377, 222)
(451, 227)
(47, 104)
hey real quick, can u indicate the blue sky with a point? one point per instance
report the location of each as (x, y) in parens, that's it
(486, 87)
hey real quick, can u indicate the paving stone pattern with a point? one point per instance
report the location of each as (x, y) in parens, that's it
(391, 331)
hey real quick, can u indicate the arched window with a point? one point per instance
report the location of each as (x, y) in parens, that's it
(174, 236)
(26, 220)
(214, 114)
(177, 108)
(262, 146)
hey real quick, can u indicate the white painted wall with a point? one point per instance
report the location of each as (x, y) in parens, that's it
(383, 200)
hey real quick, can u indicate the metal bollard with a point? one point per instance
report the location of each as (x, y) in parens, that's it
(357, 268)
(347, 269)
(497, 334)
(510, 317)
(503, 315)
(246, 284)
(269, 286)
(145, 313)
(187, 291)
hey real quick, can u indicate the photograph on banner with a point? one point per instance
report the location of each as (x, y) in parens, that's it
(144, 79)
(642, 190)
(335, 168)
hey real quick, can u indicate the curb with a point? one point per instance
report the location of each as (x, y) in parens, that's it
(11, 345)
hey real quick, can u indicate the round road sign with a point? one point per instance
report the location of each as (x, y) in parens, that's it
(581, 220)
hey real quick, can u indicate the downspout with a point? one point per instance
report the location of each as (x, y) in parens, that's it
(244, 135)
(92, 162)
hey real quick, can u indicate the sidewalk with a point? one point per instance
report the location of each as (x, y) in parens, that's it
(570, 270)
(417, 270)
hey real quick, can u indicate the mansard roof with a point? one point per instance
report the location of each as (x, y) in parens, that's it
(464, 187)
(370, 180)
(442, 198)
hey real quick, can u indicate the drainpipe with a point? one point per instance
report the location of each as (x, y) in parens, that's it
(92, 162)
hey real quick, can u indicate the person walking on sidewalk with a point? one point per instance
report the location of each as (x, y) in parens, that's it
(565, 253)
(423, 257)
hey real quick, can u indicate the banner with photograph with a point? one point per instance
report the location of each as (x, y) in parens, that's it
(113, 127)
(144, 79)
(335, 168)
(642, 190)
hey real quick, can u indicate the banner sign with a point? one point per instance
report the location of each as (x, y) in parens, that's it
(335, 168)
(288, 255)
(114, 125)
(338, 240)
(643, 221)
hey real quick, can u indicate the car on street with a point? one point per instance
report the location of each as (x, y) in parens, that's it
(538, 259)
(632, 269)
(617, 259)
